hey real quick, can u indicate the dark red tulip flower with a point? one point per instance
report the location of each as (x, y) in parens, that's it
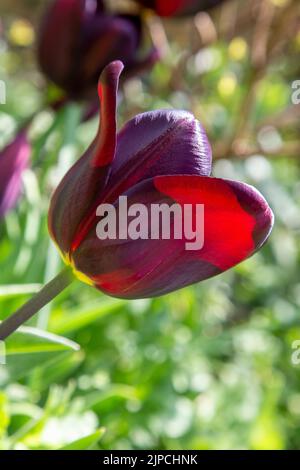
(179, 7)
(158, 157)
(79, 38)
(13, 161)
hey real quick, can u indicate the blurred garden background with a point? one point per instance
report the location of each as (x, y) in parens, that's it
(210, 366)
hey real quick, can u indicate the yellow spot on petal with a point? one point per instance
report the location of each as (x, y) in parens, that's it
(21, 33)
(238, 49)
(81, 276)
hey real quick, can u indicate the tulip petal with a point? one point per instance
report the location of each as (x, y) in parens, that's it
(164, 142)
(99, 6)
(184, 7)
(148, 268)
(13, 161)
(179, 7)
(59, 39)
(170, 142)
(78, 38)
(108, 89)
(107, 38)
(171, 8)
(73, 199)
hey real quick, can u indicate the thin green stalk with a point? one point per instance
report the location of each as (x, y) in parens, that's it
(42, 298)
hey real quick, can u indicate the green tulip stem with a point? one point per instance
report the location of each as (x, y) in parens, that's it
(42, 298)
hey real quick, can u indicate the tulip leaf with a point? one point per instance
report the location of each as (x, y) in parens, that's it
(62, 366)
(85, 443)
(14, 290)
(117, 391)
(83, 317)
(30, 340)
(30, 347)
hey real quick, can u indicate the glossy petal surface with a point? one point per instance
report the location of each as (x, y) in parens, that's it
(237, 221)
(161, 157)
(86, 179)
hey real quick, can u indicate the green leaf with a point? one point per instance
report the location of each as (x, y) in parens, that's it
(86, 443)
(83, 317)
(116, 391)
(14, 290)
(32, 340)
(58, 370)
(4, 416)
(30, 347)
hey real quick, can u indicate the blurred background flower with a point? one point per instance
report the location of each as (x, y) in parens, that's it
(14, 160)
(79, 37)
(179, 7)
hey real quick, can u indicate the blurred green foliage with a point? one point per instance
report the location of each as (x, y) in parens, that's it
(208, 367)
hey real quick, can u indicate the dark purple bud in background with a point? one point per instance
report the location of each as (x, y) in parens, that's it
(79, 38)
(13, 161)
(179, 7)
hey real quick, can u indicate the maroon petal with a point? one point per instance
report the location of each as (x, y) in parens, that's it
(147, 268)
(59, 40)
(99, 6)
(179, 7)
(79, 38)
(107, 38)
(156, 143)
(71, 203)
(164, 142)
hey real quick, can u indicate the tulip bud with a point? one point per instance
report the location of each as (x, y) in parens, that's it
(159, 157)
(13, 161)
(179, 7)
(79, 38)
